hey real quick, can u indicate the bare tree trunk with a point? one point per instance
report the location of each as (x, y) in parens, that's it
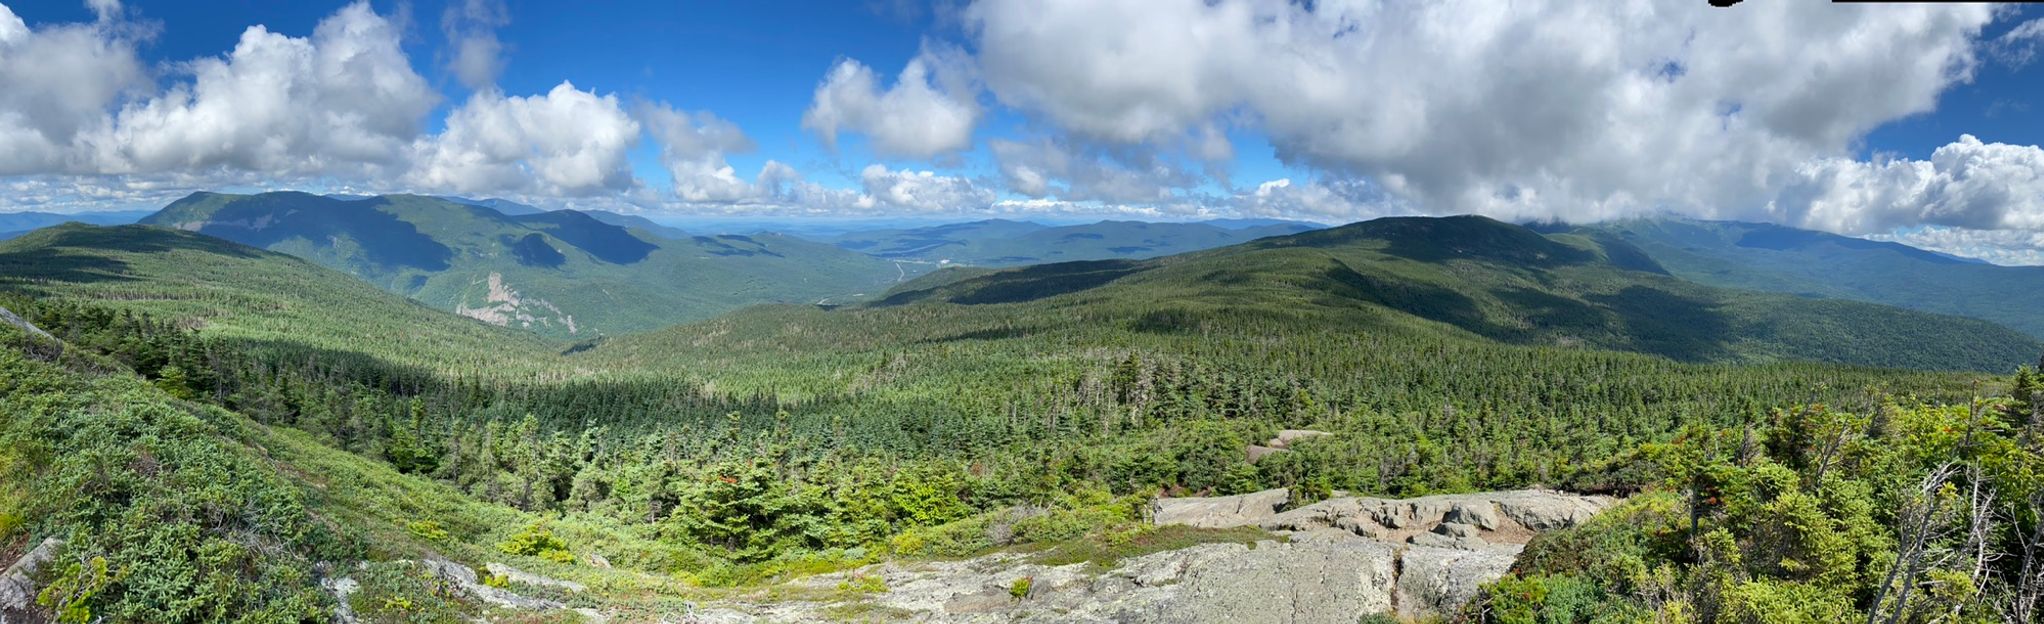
(1916, 524)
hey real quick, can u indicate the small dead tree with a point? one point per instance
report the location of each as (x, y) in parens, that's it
(1921, 524)
(2026, 589)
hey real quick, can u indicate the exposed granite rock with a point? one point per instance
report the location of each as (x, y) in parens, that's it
(1344, 558)
(17, 584)
(1308, 583)
(1499, 517)
(1220, 512)
(465, 578)
(1440, 580)
(520, 576)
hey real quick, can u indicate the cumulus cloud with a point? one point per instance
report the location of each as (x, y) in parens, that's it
(276, 103)
(931, 109)
(59, 82)
(920, 191)
(1967, 184)
(1575, 110)
(693, 147)
(567, 142)
(343, 105)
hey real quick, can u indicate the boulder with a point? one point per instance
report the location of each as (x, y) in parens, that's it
(1483, 515)
(1219, 512)
(1453, 529)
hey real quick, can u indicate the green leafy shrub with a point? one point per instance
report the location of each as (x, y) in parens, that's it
(1020, 588)
(537, 541)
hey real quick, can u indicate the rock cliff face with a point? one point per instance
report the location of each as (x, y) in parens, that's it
(1331, 561)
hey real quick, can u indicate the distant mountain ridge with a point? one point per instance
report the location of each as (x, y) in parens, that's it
(1000, 242)
(1776, 258)
(13, 224)
(562, 273)
(1497, 281)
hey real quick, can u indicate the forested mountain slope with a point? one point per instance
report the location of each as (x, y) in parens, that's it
(1011, 243)
(251, 296)
(1494, 280)
(1767, 257)
(1036, 408)
(561, 273)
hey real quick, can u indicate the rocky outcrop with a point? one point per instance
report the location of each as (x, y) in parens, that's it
(1314, 582)
(17, 584)
(516, 575)
(464, 578)
(1331, 561)
(1219, 512)
(1493, 518)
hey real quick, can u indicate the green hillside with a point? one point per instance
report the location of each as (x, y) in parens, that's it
(562, 274)
(248, 295)
(1758, 256)
(242, 425)
(1500, 282)
(1010, 243)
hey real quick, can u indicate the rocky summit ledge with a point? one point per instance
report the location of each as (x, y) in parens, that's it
(1328, 562)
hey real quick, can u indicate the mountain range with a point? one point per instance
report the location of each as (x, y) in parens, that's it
(13, 224)
(1774, 258)
(1493, 280)
(1000, 242)
(308, 420)
(561, 273)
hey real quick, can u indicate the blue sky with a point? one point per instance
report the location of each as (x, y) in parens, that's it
(1915, 123)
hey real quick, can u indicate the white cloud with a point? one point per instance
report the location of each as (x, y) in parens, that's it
(1967, 184)
(1338, 201)
(693, 146)
(2018, 46)
(345, 96)
(567, 142)
(2005, 247)
(56, 84)
(920, 191)
(1575, 110)
(1046, 168)
(931, 109)
(470, 28)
